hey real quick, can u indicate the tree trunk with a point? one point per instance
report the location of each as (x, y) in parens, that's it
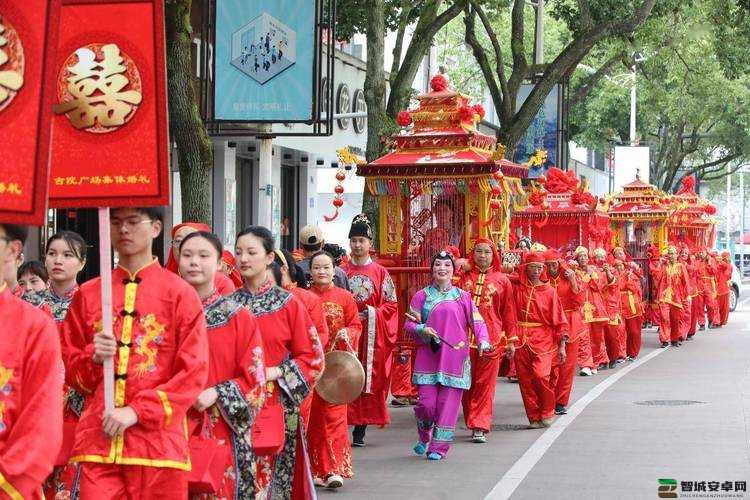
(374, 88)
(194, 147)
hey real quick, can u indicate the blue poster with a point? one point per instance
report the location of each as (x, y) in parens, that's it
(264, 60)
(542, 133)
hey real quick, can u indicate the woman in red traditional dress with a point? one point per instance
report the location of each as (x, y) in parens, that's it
(65, 257)
(223, 283)
(330, 450)
(294, 361)
(289, 276)
(225, 411)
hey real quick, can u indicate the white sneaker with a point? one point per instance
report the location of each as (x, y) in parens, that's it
(334, 481)
(478, 437)
(585, 372)
(318, 482)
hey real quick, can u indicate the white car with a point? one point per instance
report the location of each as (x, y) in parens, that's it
(736, 290)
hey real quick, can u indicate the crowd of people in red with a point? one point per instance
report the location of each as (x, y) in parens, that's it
(217, 354)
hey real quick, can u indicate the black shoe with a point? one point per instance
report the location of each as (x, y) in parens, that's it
(690, 338)
(358, 435)
(701, 328)
(675, 343)
(620, 361)
(612, 364)
(664, 344)
(560, 410)
(399, 402)
(603, 366)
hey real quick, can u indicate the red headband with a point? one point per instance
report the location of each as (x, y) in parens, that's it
(496, 262)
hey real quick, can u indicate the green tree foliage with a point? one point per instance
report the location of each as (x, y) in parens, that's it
(693, 98)
(590, 24)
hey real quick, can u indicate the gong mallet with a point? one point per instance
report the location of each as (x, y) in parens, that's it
(460, 345)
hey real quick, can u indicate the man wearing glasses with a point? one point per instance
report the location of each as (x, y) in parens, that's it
(31, 383)
(160, 356)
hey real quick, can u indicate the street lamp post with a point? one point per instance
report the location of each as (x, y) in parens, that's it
(632, 109)
(727, 227)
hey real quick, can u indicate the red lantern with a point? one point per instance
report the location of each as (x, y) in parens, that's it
(338, 202)
(439, 83)
(403, 118)
(340, 176)
(339, 189)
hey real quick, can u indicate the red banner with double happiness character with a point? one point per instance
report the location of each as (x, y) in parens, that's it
(28, 37)
(110, 135)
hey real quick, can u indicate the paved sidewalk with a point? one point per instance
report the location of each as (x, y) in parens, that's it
(614, 449)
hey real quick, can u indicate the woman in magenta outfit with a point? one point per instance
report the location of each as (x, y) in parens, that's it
(441, 318)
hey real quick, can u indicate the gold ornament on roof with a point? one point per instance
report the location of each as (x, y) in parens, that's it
(99, 88)
(346, 157)
(12, 63)
(539, 158)
(499, 153)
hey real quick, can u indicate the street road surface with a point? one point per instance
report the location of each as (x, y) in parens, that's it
(680, 414)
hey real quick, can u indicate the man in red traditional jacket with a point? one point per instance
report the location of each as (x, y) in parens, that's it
(543, 332)
(691, 274)
(611, 295)
(707, 300)
(591, 351)
(723, 282)
(671, 291)
(31, 384)
(375, 294)
(572, 296)
(491, 292)
(631, 307)
(160, 354)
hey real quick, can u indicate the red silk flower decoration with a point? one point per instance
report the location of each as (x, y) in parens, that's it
(583, 198)
(466, 113)
(439, 83)
(403, 118)
(559, 181)
(537, 198)
(710, 209)
(479, 109)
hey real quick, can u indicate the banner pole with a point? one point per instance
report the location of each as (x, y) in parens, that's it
(105, 266)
